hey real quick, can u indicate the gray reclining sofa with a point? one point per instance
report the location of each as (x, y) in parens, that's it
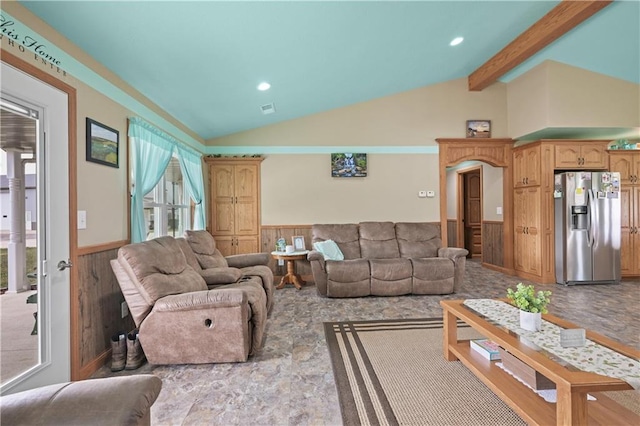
(386, 259)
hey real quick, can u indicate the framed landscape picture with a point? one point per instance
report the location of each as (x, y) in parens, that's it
(102, 144)
(478, 128)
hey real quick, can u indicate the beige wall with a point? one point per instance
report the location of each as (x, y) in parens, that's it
(581, 98)
(528, 101)
(556, 95)
(298, 189)
(415, 118)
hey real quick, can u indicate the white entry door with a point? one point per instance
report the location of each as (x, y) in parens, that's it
(52, 162)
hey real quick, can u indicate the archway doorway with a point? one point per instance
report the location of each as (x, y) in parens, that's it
(497, 153)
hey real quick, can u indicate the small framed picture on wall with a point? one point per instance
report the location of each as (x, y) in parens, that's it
(102, 144)
(478, 128)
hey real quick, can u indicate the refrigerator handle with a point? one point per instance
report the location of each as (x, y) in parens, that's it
(592, 211)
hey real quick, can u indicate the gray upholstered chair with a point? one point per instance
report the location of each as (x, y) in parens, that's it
(110, 401)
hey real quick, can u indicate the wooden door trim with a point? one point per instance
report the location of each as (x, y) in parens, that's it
(496, 152)
(70, 91)
(460, 202)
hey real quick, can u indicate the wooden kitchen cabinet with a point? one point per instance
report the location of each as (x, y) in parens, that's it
(528, 225)
(583, 155)
(234, 188)
(628, 164)
(533, 211)
(526, 170)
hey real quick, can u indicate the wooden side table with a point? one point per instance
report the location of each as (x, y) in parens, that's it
(291, 277)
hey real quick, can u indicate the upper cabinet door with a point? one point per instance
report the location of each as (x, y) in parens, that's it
(623, 163)
(526, 167)
(585, 155)
(594, 156)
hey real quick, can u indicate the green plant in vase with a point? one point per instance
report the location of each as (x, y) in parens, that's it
(532, 305)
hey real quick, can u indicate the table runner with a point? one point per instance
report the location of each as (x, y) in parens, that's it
(592, 357)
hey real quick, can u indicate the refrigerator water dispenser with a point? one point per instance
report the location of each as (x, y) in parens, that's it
(579, 217)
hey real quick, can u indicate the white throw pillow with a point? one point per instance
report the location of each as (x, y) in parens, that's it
(329, 250)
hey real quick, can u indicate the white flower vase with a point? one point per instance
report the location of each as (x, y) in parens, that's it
(530, 321)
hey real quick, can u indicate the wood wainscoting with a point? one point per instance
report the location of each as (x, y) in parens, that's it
(492, 243)
(99, 299)
(452, 232)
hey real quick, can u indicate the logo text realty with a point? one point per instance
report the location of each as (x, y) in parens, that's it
(28, 42)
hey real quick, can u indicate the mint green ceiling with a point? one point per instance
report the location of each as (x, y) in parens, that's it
(201, 61)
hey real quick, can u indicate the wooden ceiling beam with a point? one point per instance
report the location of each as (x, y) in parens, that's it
(558, 21)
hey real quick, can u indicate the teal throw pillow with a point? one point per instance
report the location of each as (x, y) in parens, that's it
(329, 250)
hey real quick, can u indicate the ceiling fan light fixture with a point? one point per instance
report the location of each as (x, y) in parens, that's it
(456, 41)
(264, 86)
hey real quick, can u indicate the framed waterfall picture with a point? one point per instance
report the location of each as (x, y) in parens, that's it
(348, 164)
(102, 144)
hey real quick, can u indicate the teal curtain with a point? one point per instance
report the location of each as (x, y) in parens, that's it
(151, 152)
(191, 166)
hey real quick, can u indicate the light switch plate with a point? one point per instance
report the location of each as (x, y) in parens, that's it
(422, 194)
(82, 219)
(431, 194)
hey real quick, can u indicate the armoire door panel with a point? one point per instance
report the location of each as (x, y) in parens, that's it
(222, 181)
(223, 217)
(246, 181)
(247, 244)
(225, 245)
(246, 213)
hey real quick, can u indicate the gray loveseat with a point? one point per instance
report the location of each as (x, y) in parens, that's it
(386, 259)
(215, 313)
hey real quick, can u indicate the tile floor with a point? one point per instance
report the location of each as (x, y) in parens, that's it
(291, 381)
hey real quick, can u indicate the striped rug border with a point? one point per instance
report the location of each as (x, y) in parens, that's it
(336, 332)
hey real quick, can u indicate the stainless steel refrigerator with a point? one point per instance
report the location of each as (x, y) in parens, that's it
(587, 227)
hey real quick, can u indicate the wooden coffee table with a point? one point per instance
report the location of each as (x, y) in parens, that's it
(291, 277)
(572, 407)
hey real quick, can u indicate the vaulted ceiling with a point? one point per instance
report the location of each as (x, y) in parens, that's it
(201, 61)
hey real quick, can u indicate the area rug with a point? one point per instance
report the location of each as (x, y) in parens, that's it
(393, 372)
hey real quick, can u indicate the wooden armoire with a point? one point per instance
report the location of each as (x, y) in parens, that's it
(234, 197)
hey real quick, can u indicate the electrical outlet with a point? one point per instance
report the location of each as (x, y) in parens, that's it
(124, 309)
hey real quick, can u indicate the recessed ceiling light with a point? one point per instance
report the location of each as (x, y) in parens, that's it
(456, 41)
(264, 86)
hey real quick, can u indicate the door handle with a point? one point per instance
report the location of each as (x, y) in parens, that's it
(62, 265)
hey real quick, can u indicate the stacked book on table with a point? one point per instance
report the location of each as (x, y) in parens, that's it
(486, 348)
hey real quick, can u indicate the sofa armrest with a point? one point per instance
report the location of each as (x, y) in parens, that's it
(250, 259)
(215, 276)
(316, 255)
(222, 298)
(94, 401)
(452, 252)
